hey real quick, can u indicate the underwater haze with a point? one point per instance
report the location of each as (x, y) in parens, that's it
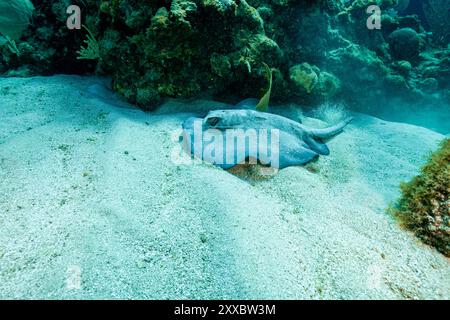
(225, 149)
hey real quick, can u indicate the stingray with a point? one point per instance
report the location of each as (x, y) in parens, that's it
(227, 138)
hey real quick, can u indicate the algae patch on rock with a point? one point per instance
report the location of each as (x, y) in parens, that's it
(14, 17)
(424, 206)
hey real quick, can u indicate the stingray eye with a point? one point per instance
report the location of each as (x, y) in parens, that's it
(213, 121)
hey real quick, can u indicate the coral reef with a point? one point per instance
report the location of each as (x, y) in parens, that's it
(309, 82)
(48, 46)
(304, 77)
(186, 48)
(424, 206)
(14, 17)
(317, 51)
(438, 16)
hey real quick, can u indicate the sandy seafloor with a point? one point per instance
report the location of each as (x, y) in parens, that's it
(89, 195)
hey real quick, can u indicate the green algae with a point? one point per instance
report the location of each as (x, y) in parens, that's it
(424, 205)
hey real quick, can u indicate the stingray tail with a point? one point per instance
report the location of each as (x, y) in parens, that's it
(330, 132)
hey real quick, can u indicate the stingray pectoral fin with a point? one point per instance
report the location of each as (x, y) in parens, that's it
(249, 103)
(317, 145)
(233, 154)
(330, 132)
(293, 151)
(188, 124)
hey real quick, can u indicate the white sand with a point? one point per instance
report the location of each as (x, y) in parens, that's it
(88, 187)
